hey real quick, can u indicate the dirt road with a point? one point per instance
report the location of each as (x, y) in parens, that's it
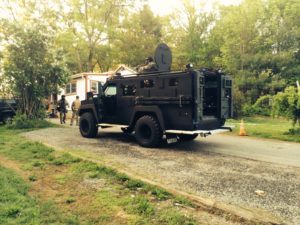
(273, 151)
(197, 168)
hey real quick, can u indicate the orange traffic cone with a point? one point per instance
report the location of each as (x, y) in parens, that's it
(242, 129)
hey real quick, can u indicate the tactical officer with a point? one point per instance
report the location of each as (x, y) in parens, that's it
(75, 107)
(62, 108)
(149, 66)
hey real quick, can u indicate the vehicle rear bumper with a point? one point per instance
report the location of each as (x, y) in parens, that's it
(202, 133)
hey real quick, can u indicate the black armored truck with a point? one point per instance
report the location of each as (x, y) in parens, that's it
(160, 104)
(8, 108)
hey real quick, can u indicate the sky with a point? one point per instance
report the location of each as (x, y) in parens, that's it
(164, 7)
(161, 7)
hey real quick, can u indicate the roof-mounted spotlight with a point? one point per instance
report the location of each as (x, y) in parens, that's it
(189, 66)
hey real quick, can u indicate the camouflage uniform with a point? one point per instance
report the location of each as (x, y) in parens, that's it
(75, 107)
(149, 66)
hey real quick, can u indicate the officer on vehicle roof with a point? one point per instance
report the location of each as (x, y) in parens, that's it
(149, 66)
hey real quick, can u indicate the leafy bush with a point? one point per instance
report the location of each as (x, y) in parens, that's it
(247, 110)
(263, 106)
(20, 121)
(293, 131)
(287, 104)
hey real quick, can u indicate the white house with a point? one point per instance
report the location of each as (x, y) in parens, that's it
(82, 83)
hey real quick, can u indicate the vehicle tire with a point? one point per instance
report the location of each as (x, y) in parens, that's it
(187, 137)
(7, 119)
(148, 132)
(87, 125)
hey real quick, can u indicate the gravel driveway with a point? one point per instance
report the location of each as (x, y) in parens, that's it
(192, 168)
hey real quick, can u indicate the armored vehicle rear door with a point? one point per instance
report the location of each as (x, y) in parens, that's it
(198, 81)
(226, 97)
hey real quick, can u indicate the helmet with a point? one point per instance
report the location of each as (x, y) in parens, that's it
(150, 59)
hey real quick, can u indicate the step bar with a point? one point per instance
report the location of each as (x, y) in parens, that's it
(111, 125)
(202, 133)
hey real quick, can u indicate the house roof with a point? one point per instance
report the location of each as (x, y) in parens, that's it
(122, 67)
(80, 75)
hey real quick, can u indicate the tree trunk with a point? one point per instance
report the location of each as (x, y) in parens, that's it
(79, 63)
(90, 60)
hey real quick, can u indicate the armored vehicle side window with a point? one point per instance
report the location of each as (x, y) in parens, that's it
(173, 82)
(201, 81)
(147, 83)
(228, 83)
(110, 90)
(128, 90)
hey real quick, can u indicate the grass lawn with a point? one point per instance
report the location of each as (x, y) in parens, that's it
(265, 127)
(43, 186)
(17, 207)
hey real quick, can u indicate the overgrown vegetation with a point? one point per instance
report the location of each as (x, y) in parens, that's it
(266, 127)
(285, 104)
(17, 207)
(112, 192)
(20, 121)
(32, 66)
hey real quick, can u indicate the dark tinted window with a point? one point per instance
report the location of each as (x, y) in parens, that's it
(173, 82)
(147, 83)
(128, 90)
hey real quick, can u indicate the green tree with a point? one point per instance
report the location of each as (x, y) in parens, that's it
(257, 42)
(88, 26)
(138, 36)
(5, 90)
(33, 67)
(190, 34)
(238, 27)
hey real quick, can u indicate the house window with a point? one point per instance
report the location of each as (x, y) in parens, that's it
(71, 88)
(94, 86)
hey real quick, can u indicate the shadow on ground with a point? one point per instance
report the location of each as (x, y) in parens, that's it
(199, 145)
